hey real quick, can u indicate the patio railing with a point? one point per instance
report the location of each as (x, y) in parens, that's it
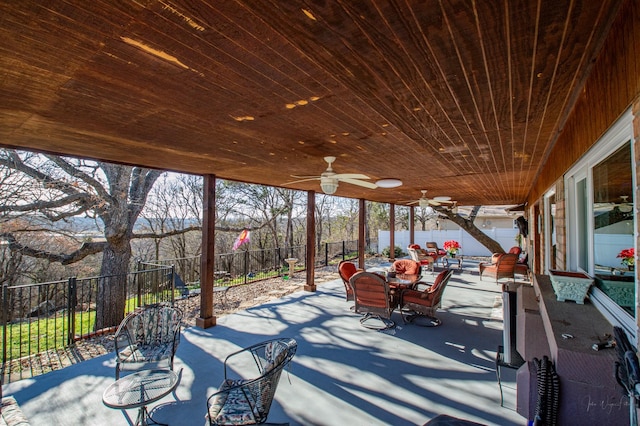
(52, 316)
(245, 266)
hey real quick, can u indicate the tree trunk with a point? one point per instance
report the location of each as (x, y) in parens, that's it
(112, 286)
(474, 231)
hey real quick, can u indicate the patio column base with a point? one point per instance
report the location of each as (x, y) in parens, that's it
(206, 322)
(310, 288)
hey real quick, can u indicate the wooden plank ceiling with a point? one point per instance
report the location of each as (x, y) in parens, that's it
(461, 98)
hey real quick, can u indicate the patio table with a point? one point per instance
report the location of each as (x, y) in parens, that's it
(402, 281)
(139, 389)
(399, 283)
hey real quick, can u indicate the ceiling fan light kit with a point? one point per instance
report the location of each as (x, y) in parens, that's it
(328, 187)
(389, 183)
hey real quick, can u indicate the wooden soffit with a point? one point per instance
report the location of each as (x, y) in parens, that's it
(461, 98)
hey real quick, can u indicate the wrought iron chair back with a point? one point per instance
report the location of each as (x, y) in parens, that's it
(149, 334)
(240, 401)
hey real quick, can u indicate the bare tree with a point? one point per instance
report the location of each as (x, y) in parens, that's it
(175, 203)
(61, 188)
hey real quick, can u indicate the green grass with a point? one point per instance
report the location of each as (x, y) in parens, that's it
(36, 335)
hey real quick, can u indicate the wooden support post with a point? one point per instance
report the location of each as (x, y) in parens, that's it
(311, 241)
(207, 319)
(412, 224)
(361, 224)
(392, 232)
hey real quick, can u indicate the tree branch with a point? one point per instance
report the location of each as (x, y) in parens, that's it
(195, 228)
(86, 249)
(40, 205)
(71, 170)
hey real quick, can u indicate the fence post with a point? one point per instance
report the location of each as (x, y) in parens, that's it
(344, 249)
(71, 309)
(173, 285)
(5, 316)
(138, 285)
(326, 254)
(246, 262)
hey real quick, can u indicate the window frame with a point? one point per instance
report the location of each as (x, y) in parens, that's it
(620, 133)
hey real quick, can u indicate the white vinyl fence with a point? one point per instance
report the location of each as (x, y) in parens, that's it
(470, 246)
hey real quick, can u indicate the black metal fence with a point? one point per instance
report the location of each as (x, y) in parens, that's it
(245, 266)
(53, 315)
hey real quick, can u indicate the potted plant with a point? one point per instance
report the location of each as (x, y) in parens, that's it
(628, 257)
(452, 247)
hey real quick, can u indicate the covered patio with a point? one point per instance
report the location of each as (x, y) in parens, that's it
(342, 373)
(489, 103)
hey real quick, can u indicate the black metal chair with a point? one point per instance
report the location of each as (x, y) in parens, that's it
(240, 401)
(150, 334)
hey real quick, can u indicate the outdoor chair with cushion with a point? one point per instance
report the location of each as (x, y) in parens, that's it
(421, 256)
(522, 266)
(150, 334)
(416, 303)
(503, 268)
(373, 299)
(433, 250)
(346, 269)
(406, 266)
(247, 401)
(513, 250)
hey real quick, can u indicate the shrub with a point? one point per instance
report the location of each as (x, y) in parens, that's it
(397, 252)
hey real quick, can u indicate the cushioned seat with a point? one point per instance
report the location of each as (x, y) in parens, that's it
(421, 256)
(503, 268)
(149, 334)
(432, 249)
(240, 401)
(373, 299)
(415, 303)
(346, 269)
(406, 266)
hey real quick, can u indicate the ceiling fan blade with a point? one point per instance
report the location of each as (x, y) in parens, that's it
(434, 202)
(302, 180)
(414, 202)
(343, 176)
(442, 198)
(359, 183)
(306, 177)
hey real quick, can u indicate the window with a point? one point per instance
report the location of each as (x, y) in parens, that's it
(601, 222)
(550, 230)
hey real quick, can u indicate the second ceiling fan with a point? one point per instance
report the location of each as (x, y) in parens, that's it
(424, 201)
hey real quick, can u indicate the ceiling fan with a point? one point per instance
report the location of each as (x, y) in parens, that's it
(436, 201)
(329, 179)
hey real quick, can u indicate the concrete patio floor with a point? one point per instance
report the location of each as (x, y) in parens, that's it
(342, 374)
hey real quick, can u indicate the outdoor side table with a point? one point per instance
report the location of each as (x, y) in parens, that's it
(139, 389)
(457, 259)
